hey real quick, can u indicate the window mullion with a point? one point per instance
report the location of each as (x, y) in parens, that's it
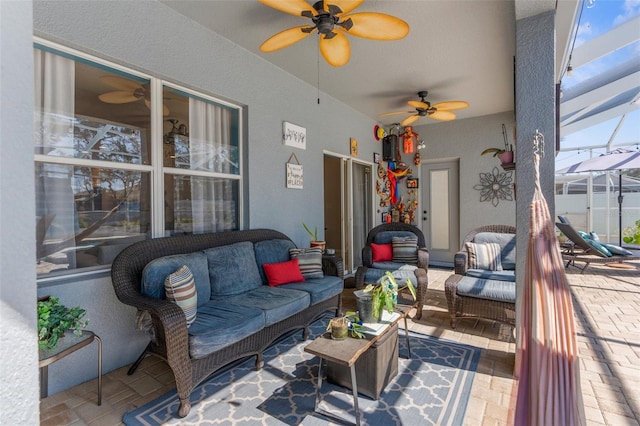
(157, 178)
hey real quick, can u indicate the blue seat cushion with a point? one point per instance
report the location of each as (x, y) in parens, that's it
(233, 269)
(388, 265)
(507, 245)
(492, 275)
(271, 251)
(319, 289)
(277, 303)
(386, 237)
(158, 270)
(220, 324)
(372, 275)
(500, 291)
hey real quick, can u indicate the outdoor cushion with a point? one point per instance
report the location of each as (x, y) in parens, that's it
(271, 251)
(233, 269)
(276, 303)
(158, 270)
(385, 237)
(507, 243)
(381, 252)
(405, 249)
(283, 272)
(484, 256)
(500, 291)
(310, 261)
(504, 275)
(220, 324)
(319, 289)
(388, 266)
(180, 289)
(618, 250)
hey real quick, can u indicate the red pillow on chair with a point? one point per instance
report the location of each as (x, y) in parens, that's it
(382, 252)
(283, 272)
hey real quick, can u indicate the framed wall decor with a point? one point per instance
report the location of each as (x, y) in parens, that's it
(293, 135)
(377, 157)
(412, 183)
(353, 143)
(295, 174)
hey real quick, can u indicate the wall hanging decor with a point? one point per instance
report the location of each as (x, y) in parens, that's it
(495, 186)
(376, 157)
(412, 183)
(294, 136)
(353, 144)
(295, 176)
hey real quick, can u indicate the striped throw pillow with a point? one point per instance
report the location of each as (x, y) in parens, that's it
(484, 256)
(405, 249)
(310, 261)
(180, 288)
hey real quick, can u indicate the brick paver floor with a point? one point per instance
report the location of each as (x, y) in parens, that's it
(607, 306)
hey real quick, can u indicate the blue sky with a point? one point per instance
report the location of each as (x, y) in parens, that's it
(598, 18)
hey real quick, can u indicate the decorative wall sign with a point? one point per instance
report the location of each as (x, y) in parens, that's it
(377, 157)
(294, 136)
(412, 183)
(495, 186)
(354, 146)
(295, 177)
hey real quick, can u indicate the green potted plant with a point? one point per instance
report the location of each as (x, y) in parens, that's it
(375, 298)
(631, 235)
(314, 242)
(504, 154)
(54, 319)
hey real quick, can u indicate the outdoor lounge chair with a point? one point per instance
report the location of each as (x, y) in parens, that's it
(590, 251)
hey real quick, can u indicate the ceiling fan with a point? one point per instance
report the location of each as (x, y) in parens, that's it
(440, 111)
(128, 91)
(332, 22)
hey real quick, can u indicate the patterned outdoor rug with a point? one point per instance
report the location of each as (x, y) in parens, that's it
(431, 388)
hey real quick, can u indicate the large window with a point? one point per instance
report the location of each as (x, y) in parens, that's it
(121, 157)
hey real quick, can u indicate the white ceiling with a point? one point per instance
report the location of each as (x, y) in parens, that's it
(457, 50)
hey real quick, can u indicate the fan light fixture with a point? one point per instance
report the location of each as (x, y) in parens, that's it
(332, 23)
(423, 108)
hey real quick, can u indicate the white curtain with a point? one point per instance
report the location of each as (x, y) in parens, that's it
(54, 136)
(210, 150)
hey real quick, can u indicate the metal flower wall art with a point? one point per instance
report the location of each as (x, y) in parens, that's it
(495, 186)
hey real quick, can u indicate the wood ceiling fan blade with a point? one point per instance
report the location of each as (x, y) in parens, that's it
(346, 5)
(377, 26)
(285, 39)
(118, 97)
(120, 83)
(336, 50)
(292, 7)
(418, 104)
(409, 120)
(442, 115)
(396, 112)
(450, 105)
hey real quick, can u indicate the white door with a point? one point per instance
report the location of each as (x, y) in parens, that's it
(440, 211)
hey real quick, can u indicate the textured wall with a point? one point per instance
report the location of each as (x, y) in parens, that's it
(18, 342)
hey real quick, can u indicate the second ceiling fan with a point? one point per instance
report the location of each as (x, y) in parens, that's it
(332, 22)
(423, 108)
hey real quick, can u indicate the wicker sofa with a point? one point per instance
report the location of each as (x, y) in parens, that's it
(371, 270)
(484, 293)
(238, 314)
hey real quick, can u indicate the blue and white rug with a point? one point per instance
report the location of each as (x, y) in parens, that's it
(431, 388)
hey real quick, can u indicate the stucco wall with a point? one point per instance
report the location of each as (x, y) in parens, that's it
(18, 342)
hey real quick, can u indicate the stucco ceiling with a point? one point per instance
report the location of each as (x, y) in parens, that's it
(457, 50)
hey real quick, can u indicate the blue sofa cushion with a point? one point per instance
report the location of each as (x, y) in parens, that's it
(319, 289)
(233, 269)
(507, 243)
(500, 291)
(504, 275)
(220, 324)
(276, 303)
(158, 270)
(388, 266)
(271, 251)
(386, 237)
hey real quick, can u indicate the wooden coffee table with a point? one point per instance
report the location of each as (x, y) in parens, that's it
(347, 352)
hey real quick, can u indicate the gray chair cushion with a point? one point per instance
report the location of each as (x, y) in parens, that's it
(220, 324)
(492, 275)
(319, 289)
(277, 303)
(271, 251)
(388, 266)
(233, 269)
(385, 237)
(158, 270)
(500, 291)
(507, 243)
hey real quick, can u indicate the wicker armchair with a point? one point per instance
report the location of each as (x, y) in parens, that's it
(369, 271)
(460, 305)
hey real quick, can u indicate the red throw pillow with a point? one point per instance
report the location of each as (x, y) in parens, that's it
(283, 272)
(382, 252)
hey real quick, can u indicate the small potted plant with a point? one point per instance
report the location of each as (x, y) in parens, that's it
(54, 319)
(375, 298)
(631, 235)
(314, 242)
(504, 154)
